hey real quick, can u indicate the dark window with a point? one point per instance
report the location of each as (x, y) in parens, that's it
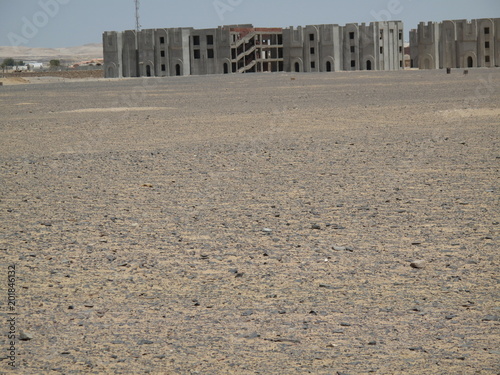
(312, 51)
(381, 49)
(313, 65)
(400, 35)
(400, 63)
(400, 49)
(210, 39)
(381, 34)
(351, 35)
(486, 44)
(196, 40)
(486, 30)
(162, 40)
(487, 59)
(197, 54)
(210, 53)
(311, 37)
(162, 53)
(353, 49)
(163, 67)
(353, 63)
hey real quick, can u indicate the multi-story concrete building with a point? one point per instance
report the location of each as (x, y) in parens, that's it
(326, 48)
(456, 44)
(243, 48)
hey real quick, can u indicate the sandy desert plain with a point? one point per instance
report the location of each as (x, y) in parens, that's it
(253, 224)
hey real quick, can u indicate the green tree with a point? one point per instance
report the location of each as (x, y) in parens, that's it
(9, 61)
(55, 63)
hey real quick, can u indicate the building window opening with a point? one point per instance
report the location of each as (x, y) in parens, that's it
(210, 40)
(351, 35)
(353, 49)
(353, 63)
(400, 49)
(470, 62)
(210, 53)
(163, 68)
(381, 50)
(297, 67)
(177, 70)
(162, 40)
(486, 30)
(313, 65)
(226, 68)
(400, 35)
(162, 53)
(197, 54)
(312, 51)
(196, 40)
(486, 59)
(328, 66)
(486, 45)
(368, 65)
(400, 63)
(381, 34)
(311, 37)
(148, 70)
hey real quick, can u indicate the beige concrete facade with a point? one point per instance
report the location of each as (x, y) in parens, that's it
(456, 44)
(245, 49)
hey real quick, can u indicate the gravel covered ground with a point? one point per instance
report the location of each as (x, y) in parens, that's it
(337, 223)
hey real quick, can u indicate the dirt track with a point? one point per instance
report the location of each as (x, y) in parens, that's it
(254, 224)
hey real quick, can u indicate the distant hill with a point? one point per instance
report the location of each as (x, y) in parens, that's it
(67, 55)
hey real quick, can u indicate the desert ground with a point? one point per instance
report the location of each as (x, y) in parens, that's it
(336, 223)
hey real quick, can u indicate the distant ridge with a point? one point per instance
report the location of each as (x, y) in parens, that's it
(68, 54)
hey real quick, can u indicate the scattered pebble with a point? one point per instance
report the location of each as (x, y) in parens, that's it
(25, 336)
(491, 318)
(419, 264)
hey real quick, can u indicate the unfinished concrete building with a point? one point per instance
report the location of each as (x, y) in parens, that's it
(456, 44)
(245, 49)
(327, 48)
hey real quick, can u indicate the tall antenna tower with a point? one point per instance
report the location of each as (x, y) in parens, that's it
(137, 23)
(137, 29)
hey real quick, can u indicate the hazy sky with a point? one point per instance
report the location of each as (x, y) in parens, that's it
(66, 23)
